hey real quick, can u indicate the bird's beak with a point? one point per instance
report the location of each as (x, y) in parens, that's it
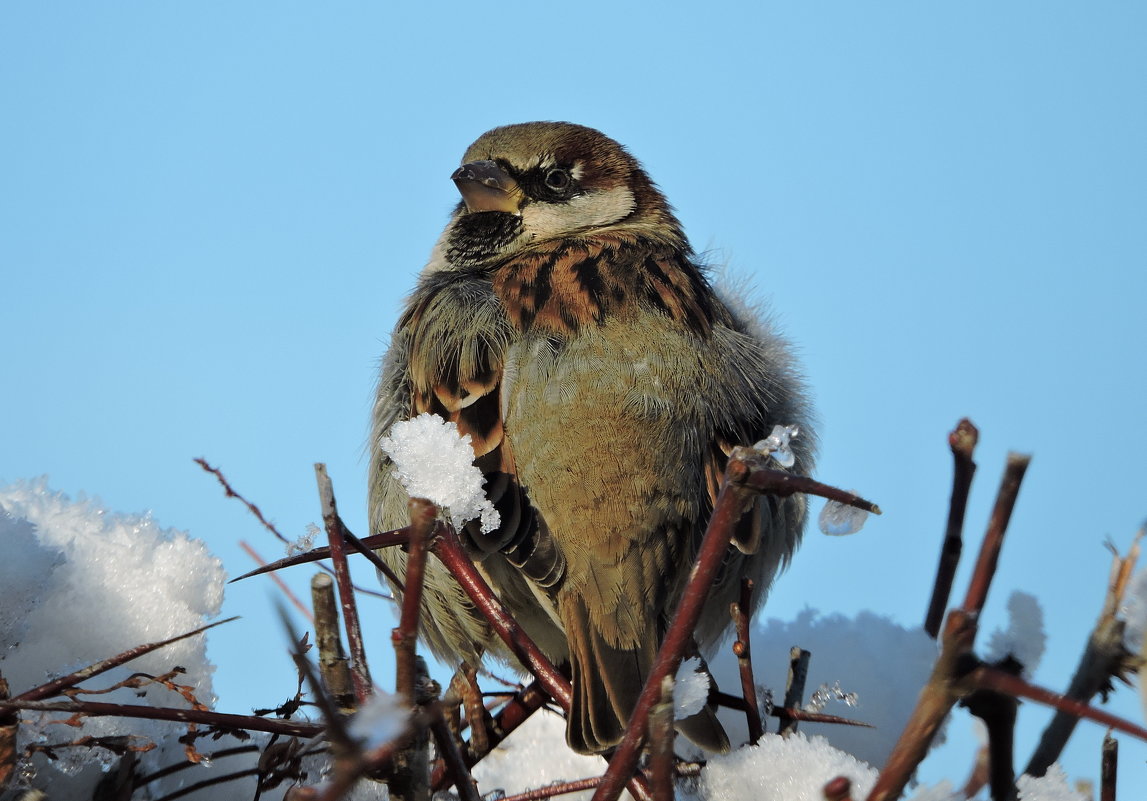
(487, 187)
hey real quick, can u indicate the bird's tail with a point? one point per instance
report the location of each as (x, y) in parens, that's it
(607, 681)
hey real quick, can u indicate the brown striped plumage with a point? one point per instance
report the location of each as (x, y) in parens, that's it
(564, 324)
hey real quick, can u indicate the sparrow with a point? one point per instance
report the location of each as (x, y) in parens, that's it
(565, 324)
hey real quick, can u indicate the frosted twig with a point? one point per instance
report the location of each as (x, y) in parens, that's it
(743, 652)
(794, 687)
(962, 441)
(989, 557)
(360, 673)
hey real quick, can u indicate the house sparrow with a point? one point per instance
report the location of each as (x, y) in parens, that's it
(564, 323)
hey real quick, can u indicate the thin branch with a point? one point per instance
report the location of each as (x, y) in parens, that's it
(231, 493)
(452, 757)
(387, 539)
(998, 712)
(448, 549)
(422, 517)
(1105, 656)
(56, 686)
(962, 441)
(794, 689)
(219, 719)
(945, 687)
(994, 679)
(360, 673)
(985, 571)
(562, 788)
(661, 744)
(740, 612)
(333, 666)
(1109, 768)
(282, 585)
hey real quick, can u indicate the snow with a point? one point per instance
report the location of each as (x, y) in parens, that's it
(691, 688)
(381, 719)
(1053, 786)
(433, 461)
(779, 768)
(1024, 639)
(81, 584)
(535, 755)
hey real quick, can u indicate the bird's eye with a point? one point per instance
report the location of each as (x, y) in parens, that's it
(558, 179)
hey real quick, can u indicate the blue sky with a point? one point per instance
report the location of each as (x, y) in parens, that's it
(210, 212)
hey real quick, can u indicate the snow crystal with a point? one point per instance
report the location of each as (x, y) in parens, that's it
(839, 519)
(691, 690)
(777, 444)
(1053, 786)
(381, 719)
(825, 693)
(779, 768)
(433, 461)
(1024, 637)
(305, 542)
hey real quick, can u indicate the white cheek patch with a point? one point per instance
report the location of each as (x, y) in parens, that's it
(591, 210)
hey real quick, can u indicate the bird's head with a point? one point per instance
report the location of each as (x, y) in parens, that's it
(538, 181)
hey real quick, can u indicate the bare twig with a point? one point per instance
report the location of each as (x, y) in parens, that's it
(985, 570)
(661, 744)
(794, 688)
(945, 687)
(360, 673)
(1104, 657)
(1109, 768)
(562, 788)
(231, 493)
(962, 441)
(740, 612)
(333, 666)
(512, 715)
(452, 757)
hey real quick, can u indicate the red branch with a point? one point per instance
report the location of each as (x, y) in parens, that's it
(994, 538)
